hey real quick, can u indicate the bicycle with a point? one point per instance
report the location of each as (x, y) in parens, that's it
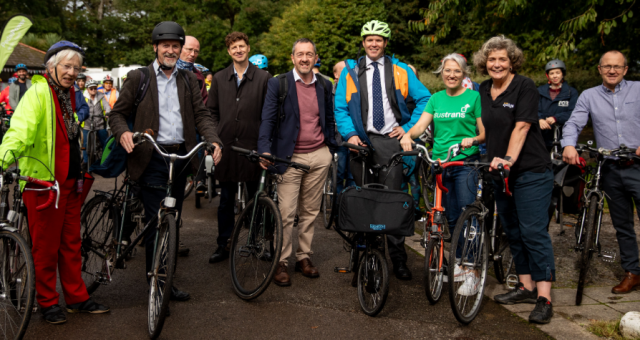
(104, 248)
(484, 240)
(93, 149)
(256, 243)
(330, 194)
(370, 270)
(17, 270)
(590, 217)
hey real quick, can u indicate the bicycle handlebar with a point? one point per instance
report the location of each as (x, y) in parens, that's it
(53, 188)
(140, 137)
(622, 152)
(254, 156)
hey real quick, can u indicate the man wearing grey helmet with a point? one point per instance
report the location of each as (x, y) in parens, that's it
(557, 100)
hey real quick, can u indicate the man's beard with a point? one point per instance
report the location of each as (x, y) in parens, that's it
(169, 55)
(22, 77)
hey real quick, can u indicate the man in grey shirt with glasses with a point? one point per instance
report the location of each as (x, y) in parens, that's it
(614, 108)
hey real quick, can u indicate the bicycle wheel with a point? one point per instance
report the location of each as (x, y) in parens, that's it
(434, 270)
(373, 282)
(467, 289)
(91, 148)
(17, 285)
(329, 195)
(255, 249)
(588, 249)
(502, 259)
(427, 181)
(97, 221)
(161, 278)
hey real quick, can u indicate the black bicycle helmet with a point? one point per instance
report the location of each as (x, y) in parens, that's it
(81, 76)
(167, 30)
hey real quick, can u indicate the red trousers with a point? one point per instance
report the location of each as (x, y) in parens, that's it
(55, 234)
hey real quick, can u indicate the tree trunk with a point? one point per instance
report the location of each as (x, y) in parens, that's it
(100, 10)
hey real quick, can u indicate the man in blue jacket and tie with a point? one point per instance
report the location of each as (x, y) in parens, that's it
(303, 136)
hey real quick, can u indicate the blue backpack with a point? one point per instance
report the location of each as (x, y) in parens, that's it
(114, 156)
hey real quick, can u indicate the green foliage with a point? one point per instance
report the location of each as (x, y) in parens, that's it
(41, 42)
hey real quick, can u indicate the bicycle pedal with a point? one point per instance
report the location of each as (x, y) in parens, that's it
(342, 270)
(511, 281)
(607, 256)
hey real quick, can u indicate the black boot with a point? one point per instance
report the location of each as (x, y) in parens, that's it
(219, 255)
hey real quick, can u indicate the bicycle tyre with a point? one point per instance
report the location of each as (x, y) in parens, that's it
(160, 290)
(329, 196)
(585, 257)
(458, 300)
(91, 148)
(191, 183)
(97, 221)
(260, 257)
(18, 288)
(433, 275)
(377, 262)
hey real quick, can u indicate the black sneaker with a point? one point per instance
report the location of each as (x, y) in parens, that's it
(88, 306)
(543, 312)
(54, 315)
(518, 295)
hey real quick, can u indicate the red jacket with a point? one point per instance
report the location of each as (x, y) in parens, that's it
(4, 97)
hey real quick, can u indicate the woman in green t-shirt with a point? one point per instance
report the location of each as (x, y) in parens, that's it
(456, 116)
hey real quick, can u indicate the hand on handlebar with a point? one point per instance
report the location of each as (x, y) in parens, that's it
(468, 142)
(126, 140)
(497, 161)
(407, 143)
(355, 140)
(265, 163)
(570, 155)
(217, 153)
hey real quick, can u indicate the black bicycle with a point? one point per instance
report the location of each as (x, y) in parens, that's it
(587, 229)
(256, 243)
(17, 271)
(106, 245)
(329, 194)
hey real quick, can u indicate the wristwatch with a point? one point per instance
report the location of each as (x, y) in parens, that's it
(508, 159)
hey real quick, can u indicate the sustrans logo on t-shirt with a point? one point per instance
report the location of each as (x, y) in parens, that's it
(464, 108)
(450, 115)
(563, 103)
(511, 106)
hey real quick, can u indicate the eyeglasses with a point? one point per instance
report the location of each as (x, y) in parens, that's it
(447, 72)
(192, 50)
(67, 68)
(607, 68)
(309, 55)
(92, 88)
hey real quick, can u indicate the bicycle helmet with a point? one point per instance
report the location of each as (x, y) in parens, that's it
(21, 67)
(81, 76)
(12, 80)
(92, 83)
(60, 46)
(167, 30)
(554, 64)
(259, 61)
(375, 27)
(318, 63)
(107, 78)
(202, 69)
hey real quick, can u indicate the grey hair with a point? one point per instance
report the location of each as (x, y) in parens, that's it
(497, 43)
(62, 56)
(613, 51)
(304, 40)
(458, 59)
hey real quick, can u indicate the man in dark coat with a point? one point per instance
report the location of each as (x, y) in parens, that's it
(235, 101)
(172, 108)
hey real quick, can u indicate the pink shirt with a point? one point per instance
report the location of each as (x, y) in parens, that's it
(310, 136)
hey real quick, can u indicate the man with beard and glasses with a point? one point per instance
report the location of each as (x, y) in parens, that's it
(235, 101)
(172, 108)
(305, 134)
(19, 87)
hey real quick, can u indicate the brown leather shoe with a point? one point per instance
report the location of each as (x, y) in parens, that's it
(307, 268)
(281, 278)
(629, 283)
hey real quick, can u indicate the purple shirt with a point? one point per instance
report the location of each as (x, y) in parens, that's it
(615, 116)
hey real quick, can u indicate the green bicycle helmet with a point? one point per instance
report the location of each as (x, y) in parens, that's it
(375, 27)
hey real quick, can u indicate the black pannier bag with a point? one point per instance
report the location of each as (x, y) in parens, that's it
(375, 209)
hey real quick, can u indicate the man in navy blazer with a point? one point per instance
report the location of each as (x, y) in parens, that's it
(304, 135)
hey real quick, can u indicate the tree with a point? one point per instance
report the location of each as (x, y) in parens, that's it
(578, 31)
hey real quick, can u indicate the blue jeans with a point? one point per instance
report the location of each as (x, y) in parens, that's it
(524, 217)
(103, 136)
(461, 182)
(344, 171)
